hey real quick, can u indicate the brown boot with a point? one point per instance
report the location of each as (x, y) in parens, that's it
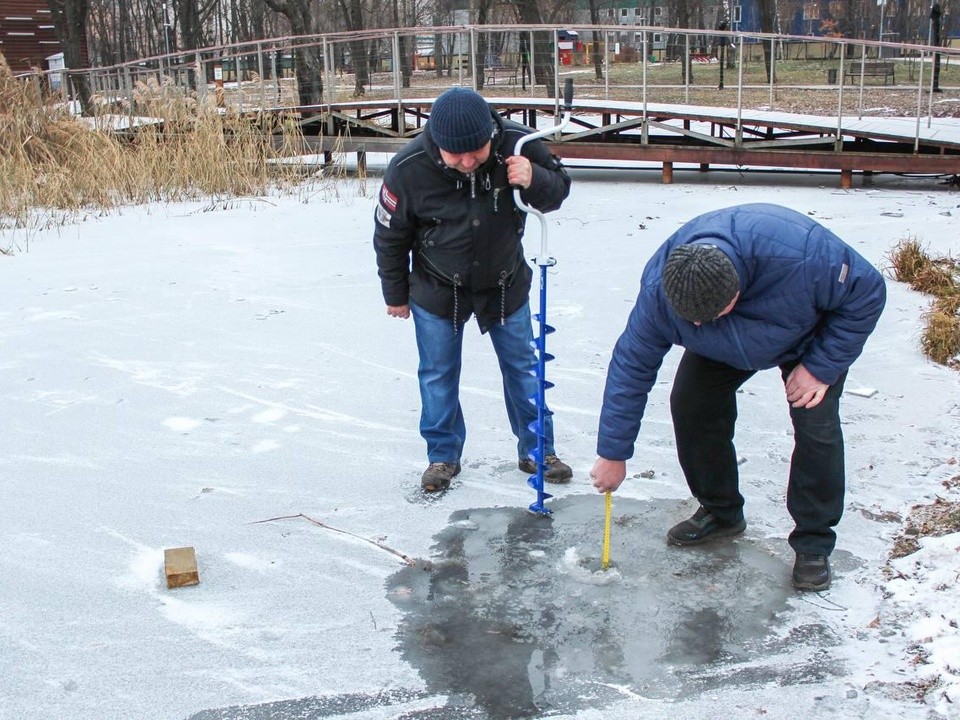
(556, 470)
(438, 475)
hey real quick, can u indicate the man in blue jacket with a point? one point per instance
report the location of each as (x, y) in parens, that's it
(745, 289)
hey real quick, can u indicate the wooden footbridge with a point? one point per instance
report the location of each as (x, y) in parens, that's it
(698, 119)
(674, 135)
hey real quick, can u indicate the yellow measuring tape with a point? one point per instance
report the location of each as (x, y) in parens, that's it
(605, 562)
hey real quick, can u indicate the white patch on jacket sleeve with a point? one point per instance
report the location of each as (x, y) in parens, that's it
(844, 270)
(383, 217)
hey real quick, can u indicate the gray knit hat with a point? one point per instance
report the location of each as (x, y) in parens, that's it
(460, 121)
(699, 282)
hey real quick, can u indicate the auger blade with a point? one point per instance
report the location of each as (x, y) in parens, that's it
(547, 329)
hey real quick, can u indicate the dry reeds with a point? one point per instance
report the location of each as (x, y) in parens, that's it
(910, 263)
(171, 145)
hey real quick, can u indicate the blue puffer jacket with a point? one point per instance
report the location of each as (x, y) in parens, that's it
(804, 294)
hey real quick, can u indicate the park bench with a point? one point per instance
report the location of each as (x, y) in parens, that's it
(871, 69)
(497, 73)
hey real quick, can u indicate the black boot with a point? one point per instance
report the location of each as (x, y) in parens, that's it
(438, 475)
(703, 527)
(811, 572)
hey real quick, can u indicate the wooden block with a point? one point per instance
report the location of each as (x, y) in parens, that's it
(180, 567)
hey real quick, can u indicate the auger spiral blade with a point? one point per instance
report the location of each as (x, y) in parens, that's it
(543, 261)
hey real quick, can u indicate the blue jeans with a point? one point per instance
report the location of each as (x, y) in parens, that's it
(441, 349)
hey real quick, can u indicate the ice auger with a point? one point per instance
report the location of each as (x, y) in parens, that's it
(543, 261)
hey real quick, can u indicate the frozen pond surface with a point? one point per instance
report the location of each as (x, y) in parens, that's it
(512, 616)
(211, 375)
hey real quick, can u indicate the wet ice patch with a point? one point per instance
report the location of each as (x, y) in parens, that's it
(513, 615)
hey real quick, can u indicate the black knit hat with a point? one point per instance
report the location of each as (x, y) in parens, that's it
(699, 282)
(460, 121)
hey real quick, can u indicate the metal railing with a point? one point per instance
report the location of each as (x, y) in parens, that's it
(647, 64)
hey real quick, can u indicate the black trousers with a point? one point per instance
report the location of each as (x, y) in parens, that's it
(703, 403)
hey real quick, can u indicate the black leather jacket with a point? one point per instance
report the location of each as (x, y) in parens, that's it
(463, 232)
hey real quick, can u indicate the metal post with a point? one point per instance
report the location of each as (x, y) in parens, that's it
(724, 41)
(606, 65)
(263, 90)
(329, 89)
(838, 145)
(773, 69)
(331, 76)
(883, 6)
(644, 130)
(128, 87)
(863, 71)
(916, 138)
(201, 77)
(556, 73)
(686, 70)
(398, 83)
(533, 65)
(473, 57)
(166, 29)
(739, 135)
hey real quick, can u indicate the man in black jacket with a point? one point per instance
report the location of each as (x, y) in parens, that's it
(447, 201)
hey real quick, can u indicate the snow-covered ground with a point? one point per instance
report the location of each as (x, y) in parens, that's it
(174, 374)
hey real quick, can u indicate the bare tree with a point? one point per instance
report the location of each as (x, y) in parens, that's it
(309, 64)
(70, 24)
(599, 44)
(192, 17)
(353, 17)
(544, 53)
(768, 19)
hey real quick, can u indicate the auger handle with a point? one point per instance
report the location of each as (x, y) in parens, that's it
(542, 258)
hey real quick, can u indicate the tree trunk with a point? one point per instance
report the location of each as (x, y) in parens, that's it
(544, 52)
(404, 43)
(308, 64)
(599, 41)
(484, 54)
(768, 17)
(683, 20)
(353, 18)
(70, 23)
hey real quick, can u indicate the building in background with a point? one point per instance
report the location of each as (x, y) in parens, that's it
(27, 35)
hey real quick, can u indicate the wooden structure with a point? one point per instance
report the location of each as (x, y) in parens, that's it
(27, 35)
(669, 136)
